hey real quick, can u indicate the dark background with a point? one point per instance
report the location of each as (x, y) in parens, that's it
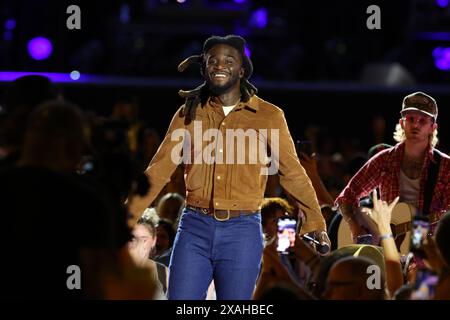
(315, 59)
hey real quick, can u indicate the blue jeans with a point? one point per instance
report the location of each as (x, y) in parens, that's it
(227, 251)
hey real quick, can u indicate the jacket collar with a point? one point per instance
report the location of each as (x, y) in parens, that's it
(251, 104)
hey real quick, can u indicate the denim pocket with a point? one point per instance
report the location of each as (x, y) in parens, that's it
(186, 215)
(254, 217)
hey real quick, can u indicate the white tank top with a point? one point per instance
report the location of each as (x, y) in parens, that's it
(409, 189)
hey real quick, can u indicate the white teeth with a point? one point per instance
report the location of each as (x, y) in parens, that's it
(220, 75)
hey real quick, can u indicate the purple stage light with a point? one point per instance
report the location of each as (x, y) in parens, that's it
(54, 77)
(247, 51)
(239, 1)
(442, 3)
(40, 48)
(442, 58)
(10, 24)
(434, 36)
(258, 18)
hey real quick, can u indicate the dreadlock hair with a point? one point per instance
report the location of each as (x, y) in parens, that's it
(199, 95)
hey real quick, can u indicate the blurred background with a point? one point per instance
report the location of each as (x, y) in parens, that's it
(315, 59)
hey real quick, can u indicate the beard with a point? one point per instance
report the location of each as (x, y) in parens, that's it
(218, 90)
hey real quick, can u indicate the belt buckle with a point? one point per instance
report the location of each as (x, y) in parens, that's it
(219, 219)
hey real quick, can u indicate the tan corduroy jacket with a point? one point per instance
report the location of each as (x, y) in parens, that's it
(220, 173)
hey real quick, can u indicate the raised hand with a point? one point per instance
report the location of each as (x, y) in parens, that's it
(309, 162)
(381, 213)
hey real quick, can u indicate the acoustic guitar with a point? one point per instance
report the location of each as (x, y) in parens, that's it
(401, 219)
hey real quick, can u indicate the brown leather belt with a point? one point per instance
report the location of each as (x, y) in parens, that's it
(221, 215)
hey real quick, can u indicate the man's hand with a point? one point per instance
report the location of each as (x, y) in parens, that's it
(356, 230)
(309, 163)
(325, 244)
(349, 216)
(272, 268)
(274, 272)
(434, 259)
(381, 213)
(303, 250)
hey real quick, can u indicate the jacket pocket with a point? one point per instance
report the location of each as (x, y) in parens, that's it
(193, 178)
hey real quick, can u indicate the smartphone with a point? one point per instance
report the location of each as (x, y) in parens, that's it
(419, 232)
(286, 234)
(366, 202)
(304, 146)
(364, 239)
(425, 284)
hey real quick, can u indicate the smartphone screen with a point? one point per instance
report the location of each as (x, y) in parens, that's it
(425, 284)
(419, 232)
(286, 234)
(364, 239)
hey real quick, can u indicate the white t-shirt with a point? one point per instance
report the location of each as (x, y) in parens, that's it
(409, 189)
(227, 109)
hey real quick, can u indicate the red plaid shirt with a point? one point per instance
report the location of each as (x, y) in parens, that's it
(383, 171)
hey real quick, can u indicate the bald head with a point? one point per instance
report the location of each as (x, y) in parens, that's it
(348, 280)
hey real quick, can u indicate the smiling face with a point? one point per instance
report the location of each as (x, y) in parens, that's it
(223, 69)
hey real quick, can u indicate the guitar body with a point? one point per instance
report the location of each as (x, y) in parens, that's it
(402, 216)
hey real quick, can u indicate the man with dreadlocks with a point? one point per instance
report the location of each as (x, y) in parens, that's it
(219, 235)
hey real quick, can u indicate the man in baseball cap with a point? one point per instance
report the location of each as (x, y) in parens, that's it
(413, 169)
